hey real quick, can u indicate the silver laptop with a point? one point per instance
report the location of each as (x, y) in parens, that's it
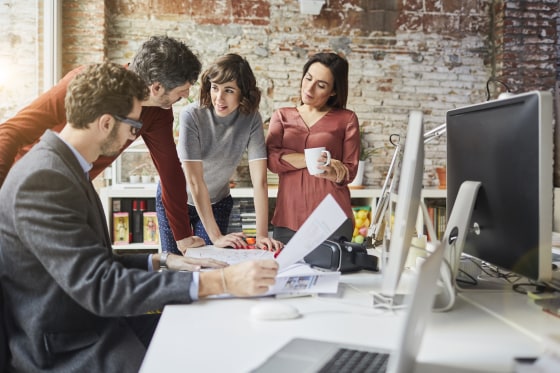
(307, 355)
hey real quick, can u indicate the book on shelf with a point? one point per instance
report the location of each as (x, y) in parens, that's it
(438, 217)
(234, 224)
(249, 223)
(151, 230)
(121, 228)
(138, 208)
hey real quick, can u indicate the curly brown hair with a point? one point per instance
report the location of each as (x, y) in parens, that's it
(231, 67)
(105, 88)
(166, 60)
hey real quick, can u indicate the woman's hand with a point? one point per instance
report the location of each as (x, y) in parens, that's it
(336, 171)
(235, 240)
(270, 244)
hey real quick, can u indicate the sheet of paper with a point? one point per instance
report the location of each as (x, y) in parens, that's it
(230, 256)
(319, 226)
(300, 278)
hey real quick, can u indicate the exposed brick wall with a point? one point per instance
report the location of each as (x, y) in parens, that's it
(432, 55)
(84, 33)
(526, 49)
(208, 12)
(20, 56)
(398, 58)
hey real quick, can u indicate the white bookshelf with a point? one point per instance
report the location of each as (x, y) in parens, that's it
(360, 197)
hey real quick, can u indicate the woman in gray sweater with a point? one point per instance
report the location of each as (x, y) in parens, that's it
(213, 135)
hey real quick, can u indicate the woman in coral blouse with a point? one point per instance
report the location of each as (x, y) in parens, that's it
(321, 119)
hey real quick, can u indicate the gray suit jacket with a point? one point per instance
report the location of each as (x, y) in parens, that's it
(65, 292)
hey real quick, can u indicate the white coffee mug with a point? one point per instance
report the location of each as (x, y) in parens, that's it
(312, 156)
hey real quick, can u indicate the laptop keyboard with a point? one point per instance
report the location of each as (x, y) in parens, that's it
(356, 361)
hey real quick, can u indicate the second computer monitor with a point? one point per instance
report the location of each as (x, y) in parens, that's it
(408, 201)
(506, 145)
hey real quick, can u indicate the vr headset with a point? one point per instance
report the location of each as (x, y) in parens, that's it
(338, 254)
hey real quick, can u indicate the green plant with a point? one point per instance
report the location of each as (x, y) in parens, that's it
(365, 151)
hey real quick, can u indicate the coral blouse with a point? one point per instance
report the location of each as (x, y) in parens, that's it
(298, 192)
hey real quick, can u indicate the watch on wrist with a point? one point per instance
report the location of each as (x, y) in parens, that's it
(163, 260)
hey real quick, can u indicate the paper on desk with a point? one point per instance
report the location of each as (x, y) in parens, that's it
(230, 256)
(318, 227)
(300, 278)
(297, 278)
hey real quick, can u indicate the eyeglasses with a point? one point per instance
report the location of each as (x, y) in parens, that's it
(135, 125)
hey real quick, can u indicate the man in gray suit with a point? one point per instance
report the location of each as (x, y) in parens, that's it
(70, 304)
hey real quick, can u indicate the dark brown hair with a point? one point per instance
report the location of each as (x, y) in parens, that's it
(166, 60)
(231, 67)
(339, 70)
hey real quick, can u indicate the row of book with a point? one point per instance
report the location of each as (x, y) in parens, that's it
(438, 217)
(243, 217)
(134, 221)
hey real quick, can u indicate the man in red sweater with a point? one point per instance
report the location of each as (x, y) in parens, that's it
(169, 68)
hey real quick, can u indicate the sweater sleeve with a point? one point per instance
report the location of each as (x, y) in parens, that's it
(158, 137)
(19, 133)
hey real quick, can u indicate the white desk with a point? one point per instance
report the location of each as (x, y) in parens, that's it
(219, 336)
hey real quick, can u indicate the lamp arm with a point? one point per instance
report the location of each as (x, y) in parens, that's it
(435, 133)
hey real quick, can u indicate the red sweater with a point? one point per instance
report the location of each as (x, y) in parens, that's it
(19, 133)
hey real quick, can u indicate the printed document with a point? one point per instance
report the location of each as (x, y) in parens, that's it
(294, 276)
(318, 227)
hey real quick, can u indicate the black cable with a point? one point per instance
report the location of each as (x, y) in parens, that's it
(472, 281)
(539, 288)
(510, 277)
(495, 272)
(495, 80)
(393, 142)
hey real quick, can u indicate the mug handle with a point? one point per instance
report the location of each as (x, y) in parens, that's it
(328, 155)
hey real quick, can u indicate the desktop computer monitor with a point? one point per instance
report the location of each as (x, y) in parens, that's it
(506, 146)
(408, 202)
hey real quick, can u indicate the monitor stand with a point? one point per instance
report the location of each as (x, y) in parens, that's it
(408, 276)
(390, 302)
(454, 241)
(407, 280)
(394, 301)
(381, 300)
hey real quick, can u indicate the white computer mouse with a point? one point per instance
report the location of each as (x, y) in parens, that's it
(274, 310)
